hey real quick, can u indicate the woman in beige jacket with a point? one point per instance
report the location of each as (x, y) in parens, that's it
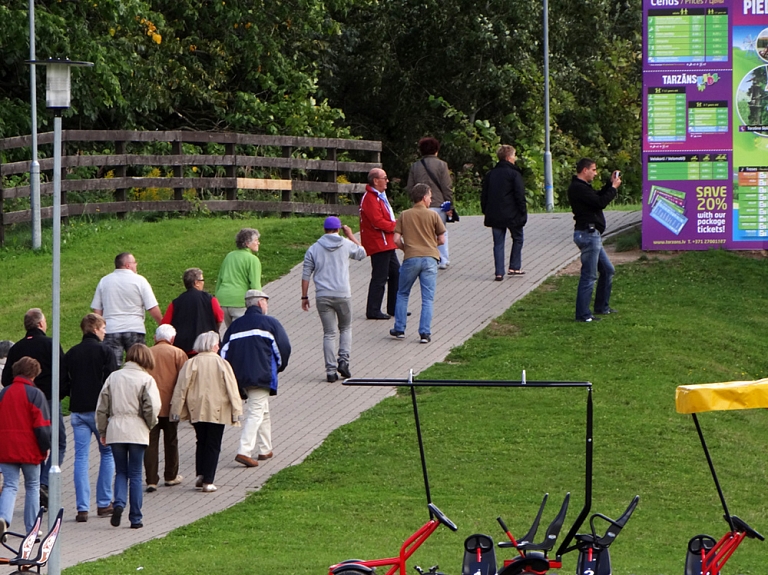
(206, 394)
(127, 409)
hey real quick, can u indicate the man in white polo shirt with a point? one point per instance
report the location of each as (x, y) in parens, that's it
(122, 298)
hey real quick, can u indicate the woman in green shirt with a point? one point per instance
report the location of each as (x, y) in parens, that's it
(240, 271)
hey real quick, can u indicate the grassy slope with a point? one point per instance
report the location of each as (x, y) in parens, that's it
(163, 249)
(697, 318)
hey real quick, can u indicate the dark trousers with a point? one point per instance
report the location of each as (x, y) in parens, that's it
(385, 271)
(119, 342)
(208, 448)
(45, 466)
(515, 256)
(171, 444)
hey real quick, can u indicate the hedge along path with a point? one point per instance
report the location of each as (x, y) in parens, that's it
(308, 408)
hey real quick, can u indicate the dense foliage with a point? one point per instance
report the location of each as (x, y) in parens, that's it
(469, 73)
(166, 64)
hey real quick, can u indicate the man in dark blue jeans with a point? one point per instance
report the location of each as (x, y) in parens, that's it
(587, 205)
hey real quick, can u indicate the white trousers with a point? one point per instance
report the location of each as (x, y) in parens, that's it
(257, 426)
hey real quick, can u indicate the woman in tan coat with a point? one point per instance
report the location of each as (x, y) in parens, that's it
(127, 409)
(206, 394)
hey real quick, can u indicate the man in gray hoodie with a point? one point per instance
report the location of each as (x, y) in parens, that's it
(328, 260)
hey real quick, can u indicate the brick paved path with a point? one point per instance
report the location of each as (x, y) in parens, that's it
(308, 408)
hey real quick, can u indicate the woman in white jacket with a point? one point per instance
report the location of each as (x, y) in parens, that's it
(127, 409)
(206, 394)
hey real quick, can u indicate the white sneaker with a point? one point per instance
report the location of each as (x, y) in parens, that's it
(199, 481)
(209, 488)
(175, 481)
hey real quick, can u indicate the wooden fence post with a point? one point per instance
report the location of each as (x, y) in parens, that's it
(120, 172)
(231, 170)
(2, 208)
(331, 176)
(177, 149)
(285, 173)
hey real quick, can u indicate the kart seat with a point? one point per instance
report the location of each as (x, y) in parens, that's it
(479, 556)
(613, 530)
(24, 559)
(526, 543)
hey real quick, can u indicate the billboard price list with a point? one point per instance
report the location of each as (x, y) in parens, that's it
(688, 167)
(678, 36)
(667, 121)
(752, 198)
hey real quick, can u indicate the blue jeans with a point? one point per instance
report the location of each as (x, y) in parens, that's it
(515, 255)
(129, 464)
(83, 426)
(45, 466)
(443, 248)
(425, 269)
(11, 487)
(594, 260)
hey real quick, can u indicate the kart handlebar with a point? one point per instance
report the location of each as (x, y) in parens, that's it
(441, 517)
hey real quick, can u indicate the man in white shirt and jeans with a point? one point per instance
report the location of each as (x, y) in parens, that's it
(122, 298)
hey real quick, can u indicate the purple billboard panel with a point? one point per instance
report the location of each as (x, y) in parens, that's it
(687, 111)
(686, 200)
(705, 124)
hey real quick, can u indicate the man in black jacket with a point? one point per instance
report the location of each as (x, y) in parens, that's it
(88, 364)
(587, 205)
(503, 203)
(40, 347)
(193, 312)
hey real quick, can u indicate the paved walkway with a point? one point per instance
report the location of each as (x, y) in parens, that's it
(308, 408)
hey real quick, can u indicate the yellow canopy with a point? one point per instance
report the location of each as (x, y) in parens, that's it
(722, 396)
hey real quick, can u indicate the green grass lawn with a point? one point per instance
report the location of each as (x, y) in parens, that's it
(163, 249)
(700, 317)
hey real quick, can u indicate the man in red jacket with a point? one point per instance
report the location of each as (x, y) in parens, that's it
(377, 229)
(25, 426)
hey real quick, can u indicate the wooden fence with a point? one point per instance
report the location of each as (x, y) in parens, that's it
(300, 175)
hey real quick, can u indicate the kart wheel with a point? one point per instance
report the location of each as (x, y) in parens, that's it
(350, 572)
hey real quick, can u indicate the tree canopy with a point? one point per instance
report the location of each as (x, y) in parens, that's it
(469, 73)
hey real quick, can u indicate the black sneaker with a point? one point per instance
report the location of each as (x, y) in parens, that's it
(116, 515)
(137, 525)
(589, 319)
(397, 334)
(607, 311)
(424, 338)
(331, 377)
(344, 368)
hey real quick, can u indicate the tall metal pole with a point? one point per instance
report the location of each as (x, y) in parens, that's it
(54, 478)
(34, 167)
(549, 195)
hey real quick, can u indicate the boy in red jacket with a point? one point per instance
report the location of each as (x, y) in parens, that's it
(25, 426)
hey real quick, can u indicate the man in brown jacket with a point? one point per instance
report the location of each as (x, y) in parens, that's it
(168, 362)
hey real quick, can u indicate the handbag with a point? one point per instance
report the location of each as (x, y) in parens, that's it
(455, 216)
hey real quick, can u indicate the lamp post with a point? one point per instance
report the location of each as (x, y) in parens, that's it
(549, 195)
(34, 167)
(57, 98)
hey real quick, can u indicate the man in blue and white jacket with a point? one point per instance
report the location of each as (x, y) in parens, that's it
(257, 348)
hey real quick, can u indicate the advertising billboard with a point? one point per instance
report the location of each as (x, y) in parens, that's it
(705, 124)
